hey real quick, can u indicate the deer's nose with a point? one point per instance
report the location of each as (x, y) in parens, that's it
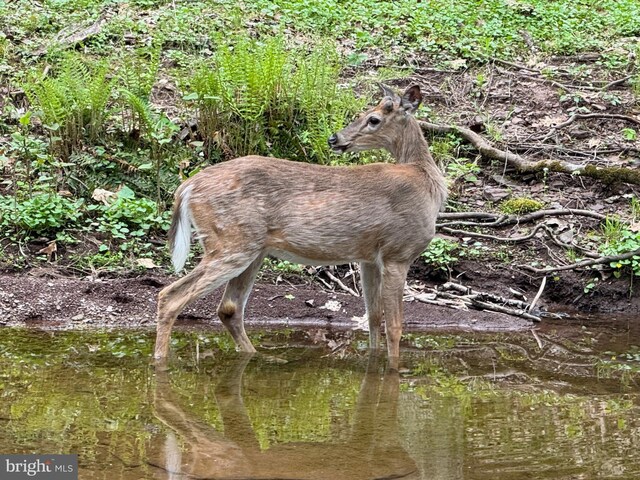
(333, 139)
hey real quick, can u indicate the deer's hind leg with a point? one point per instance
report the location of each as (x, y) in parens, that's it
(214, 270)
(231, 308)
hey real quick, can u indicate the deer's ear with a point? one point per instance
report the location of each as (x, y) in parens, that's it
(387, 92)
(411, 99)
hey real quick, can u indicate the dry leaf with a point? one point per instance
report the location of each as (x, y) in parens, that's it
(50, 250)
(332, 305)
(104, 196)
(594, 142)
(552, 120)
(146, 263)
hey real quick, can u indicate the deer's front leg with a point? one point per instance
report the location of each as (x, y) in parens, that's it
(393, 280)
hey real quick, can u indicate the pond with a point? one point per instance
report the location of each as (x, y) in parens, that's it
(561, 404)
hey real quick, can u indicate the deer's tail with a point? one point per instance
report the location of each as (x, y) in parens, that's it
(180, 230)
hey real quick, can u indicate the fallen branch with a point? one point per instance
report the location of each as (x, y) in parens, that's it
(71, 35)
(339, 282)
(471, 298)
(502, 309)
(605, 174)
(483, 296)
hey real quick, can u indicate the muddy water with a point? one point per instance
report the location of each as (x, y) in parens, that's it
(563, 404)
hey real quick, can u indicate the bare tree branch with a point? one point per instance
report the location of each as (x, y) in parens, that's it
(499, 220)
(606, 174)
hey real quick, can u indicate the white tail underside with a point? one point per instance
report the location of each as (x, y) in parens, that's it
(182, 242)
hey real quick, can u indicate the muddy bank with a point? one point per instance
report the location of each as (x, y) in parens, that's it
(66, 303)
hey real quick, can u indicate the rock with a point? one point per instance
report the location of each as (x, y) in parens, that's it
(566, 236)
(495, 194)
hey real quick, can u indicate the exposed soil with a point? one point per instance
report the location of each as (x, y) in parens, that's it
(40, 300)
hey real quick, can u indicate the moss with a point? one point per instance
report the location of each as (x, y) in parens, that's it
(519, 206)
(613, 175)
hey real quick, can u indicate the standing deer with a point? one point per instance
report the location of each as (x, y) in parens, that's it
(381, 215)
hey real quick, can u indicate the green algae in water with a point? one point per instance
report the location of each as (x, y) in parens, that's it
(472, 407)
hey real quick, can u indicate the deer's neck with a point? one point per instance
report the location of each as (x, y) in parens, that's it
(411, 147)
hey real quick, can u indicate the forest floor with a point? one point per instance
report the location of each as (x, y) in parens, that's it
(519, 111)
(580, 110)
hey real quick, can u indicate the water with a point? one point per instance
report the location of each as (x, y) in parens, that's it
(463, 406)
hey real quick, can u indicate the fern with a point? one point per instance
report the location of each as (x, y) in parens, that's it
(74, 104)
(262, 98)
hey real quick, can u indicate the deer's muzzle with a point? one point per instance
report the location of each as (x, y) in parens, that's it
(336, 144)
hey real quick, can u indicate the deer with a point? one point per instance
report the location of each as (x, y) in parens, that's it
(382, 215)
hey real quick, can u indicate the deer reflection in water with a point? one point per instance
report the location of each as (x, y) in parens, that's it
(372, 451)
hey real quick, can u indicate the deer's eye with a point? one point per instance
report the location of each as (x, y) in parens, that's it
(373, 121)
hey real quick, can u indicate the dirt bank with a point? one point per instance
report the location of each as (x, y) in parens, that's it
(40, 300)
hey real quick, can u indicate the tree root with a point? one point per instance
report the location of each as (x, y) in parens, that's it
(494, 220)
(500, 220)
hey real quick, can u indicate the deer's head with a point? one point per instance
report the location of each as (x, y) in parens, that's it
(379, 126)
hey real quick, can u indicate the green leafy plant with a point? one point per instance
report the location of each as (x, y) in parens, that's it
(634, 203)
(624, 241)
(32, 160)
(282, 266)
(41, 214)
(73, 104)
(612, 229)
(129, 217)
(629, 134)
(463, 168)
(441, 254)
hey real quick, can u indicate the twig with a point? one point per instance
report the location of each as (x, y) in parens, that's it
(486, 236)
(615, 83)
(562, 86)
(338, 282)
(514, 65)
(538, 295)
(584, 116)
(535, 335)
(473, 294)
(584, 263)
(509, 311)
